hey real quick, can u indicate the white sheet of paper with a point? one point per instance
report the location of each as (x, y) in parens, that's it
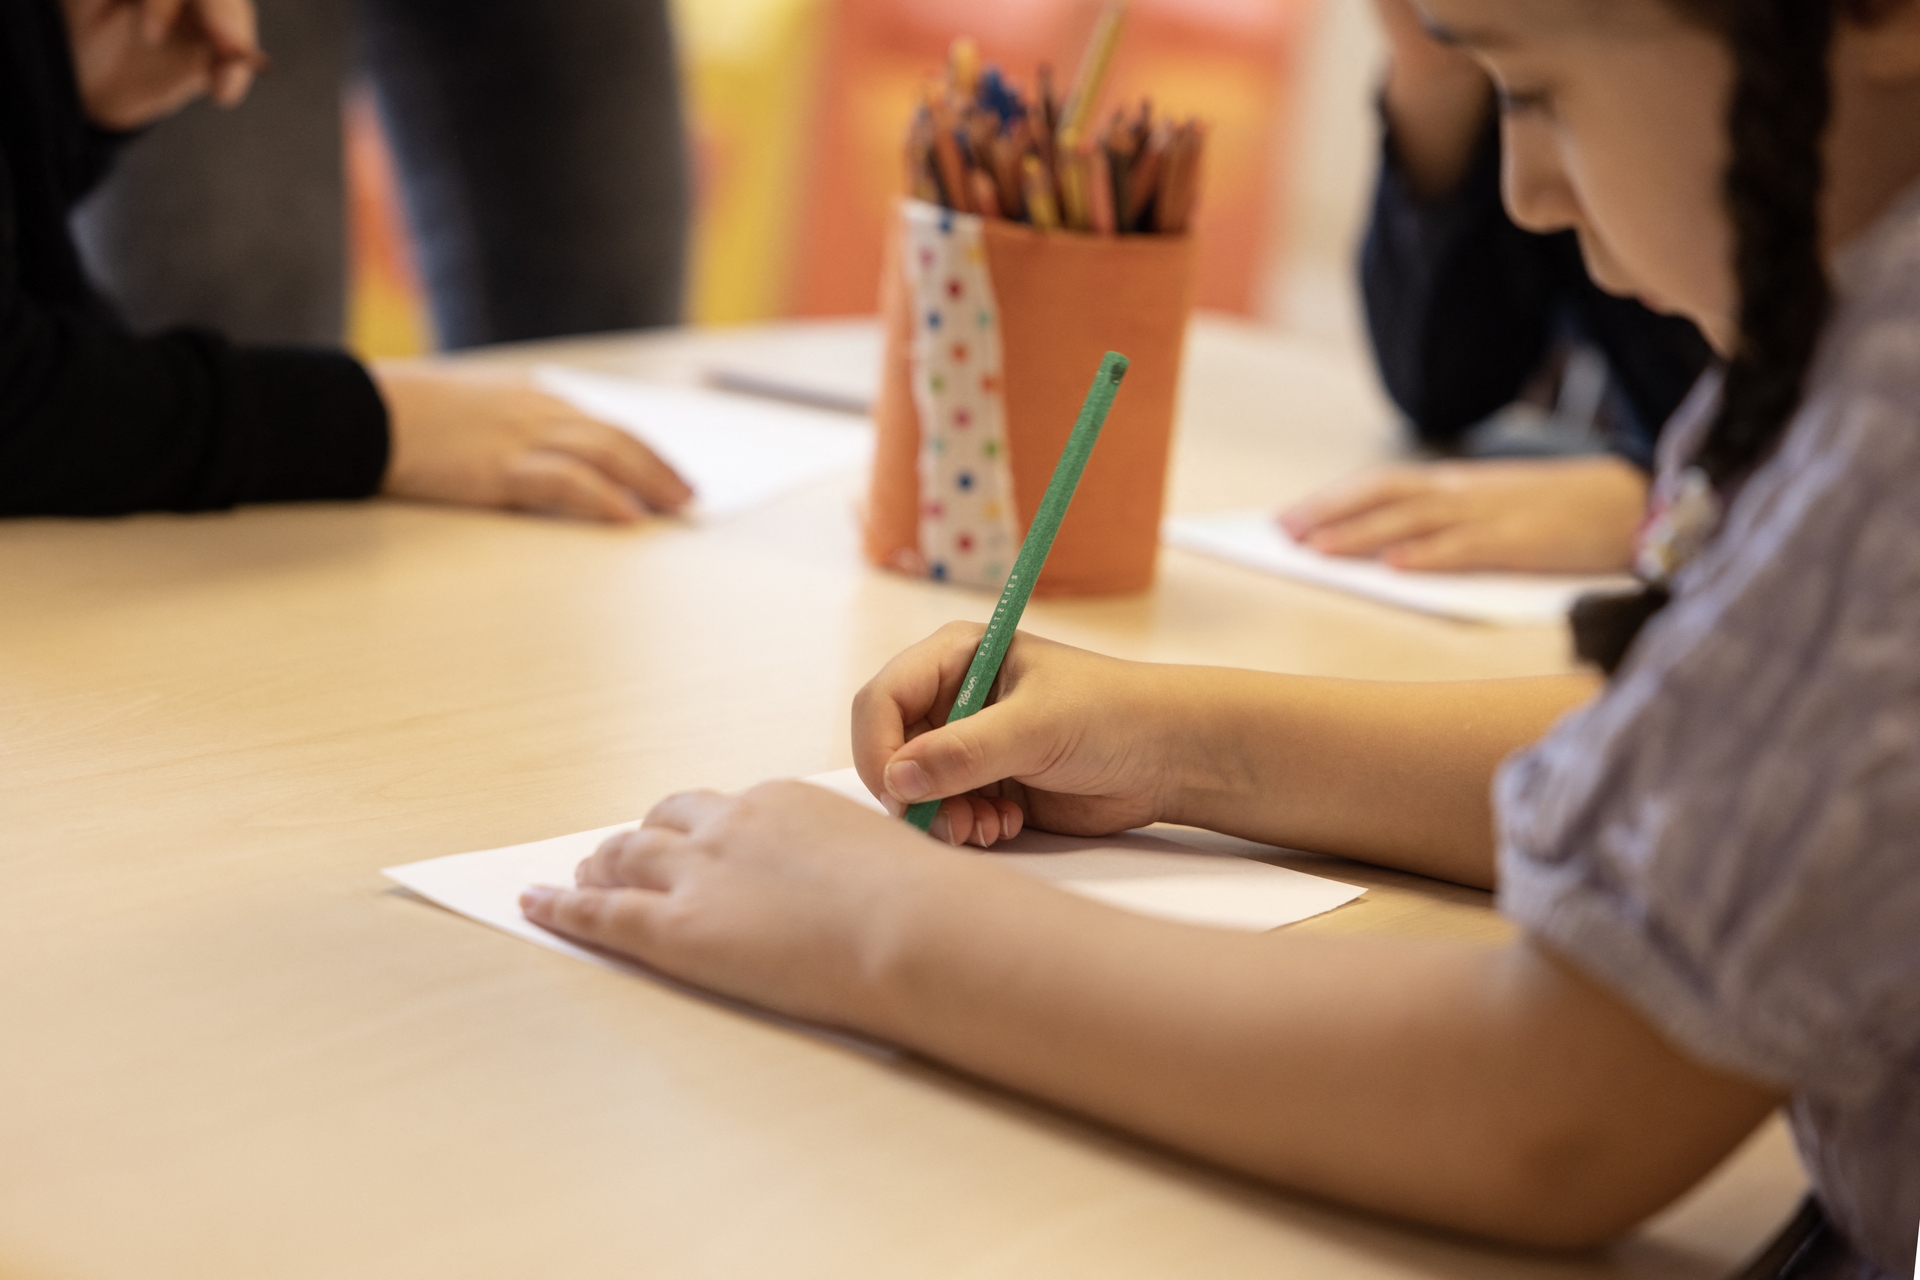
(1155, 875)
(736, 451)
(486, 886)
(1151, 874)
(1254, 539)
(832, 364)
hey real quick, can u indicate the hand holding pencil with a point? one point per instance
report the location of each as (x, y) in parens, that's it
(1073, 742)
(985, 667)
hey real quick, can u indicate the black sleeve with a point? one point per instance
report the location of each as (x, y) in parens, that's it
(1462, 306)
(1460, 302)
(94, 421)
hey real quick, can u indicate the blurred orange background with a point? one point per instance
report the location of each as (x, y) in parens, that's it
(797, 110)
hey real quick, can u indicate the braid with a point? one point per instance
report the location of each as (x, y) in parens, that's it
(1776, 124)
(1779, 118)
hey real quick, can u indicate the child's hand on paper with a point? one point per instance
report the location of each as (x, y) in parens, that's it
(787, 895)
(490, 443)
(1066, 744)
(1571, 515)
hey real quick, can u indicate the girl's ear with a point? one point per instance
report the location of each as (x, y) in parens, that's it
(1883, 38)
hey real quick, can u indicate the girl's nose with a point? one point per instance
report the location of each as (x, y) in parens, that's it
(1533, 182)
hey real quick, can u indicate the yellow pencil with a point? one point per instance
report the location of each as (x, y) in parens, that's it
(1070, 167)
(963, 65)
(1091, 76)
(1041, 211)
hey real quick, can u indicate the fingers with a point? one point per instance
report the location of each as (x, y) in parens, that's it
(555, 483)
(964, 756)
(686, 810)
(1533, 516)
(230, 27)
(491, 442)
(620, 888)
(977, 820)
(1384, 526)
(905, 753)
(1352, 497)
(910, 695)
(232, 80)
(643, 858)
(620, 920)
(1459, 549)
(157, 19)
(224, 31)
(624, 460)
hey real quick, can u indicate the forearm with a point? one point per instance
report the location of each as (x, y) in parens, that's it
(1436, 101)
(1461, 304)
(1392, 773)
(1435, 127)
(1477, 1089)
(96, 422)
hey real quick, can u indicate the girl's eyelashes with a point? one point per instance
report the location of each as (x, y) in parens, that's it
(1520, 102)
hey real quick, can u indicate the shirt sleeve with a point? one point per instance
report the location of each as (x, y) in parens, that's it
(94, 421)
(1727, 837)
(1459, 300)
(1463, 305)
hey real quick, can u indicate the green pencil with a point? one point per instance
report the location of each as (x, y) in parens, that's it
(1033, 556)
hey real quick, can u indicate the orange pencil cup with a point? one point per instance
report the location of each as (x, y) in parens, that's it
(993, 331)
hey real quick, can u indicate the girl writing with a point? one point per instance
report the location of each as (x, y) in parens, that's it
(1711, 858)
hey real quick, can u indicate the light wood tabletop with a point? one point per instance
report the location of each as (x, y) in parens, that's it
(232, 1049)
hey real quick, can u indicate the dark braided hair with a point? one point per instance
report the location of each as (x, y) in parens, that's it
(1776, 125)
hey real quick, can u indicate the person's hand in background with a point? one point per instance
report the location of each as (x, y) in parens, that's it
(1436, 101)
(139, 60)
(486, 442)
(1562, 515)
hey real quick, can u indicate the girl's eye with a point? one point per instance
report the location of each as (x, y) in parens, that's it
(1520, 102)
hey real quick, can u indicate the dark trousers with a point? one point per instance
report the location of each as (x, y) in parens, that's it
(540, 151)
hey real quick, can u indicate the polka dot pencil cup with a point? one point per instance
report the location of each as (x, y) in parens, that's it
(991, 327)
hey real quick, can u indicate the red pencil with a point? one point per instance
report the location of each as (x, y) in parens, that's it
(1144, 178)
(1099, 191)
(946, 153)
(1190, 191)
(986, 201)
(1005, 154)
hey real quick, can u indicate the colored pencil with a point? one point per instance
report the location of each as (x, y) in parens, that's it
(1099, 192)
(1091, 76)
(1042, 212)
(946, 154)
(978, 144)
(1005, 622)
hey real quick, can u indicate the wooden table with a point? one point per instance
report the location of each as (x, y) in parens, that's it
(231, 1049)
